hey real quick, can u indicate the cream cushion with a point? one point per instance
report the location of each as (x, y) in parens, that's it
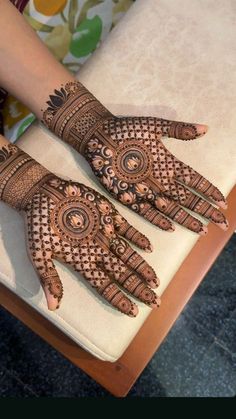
(175, 59)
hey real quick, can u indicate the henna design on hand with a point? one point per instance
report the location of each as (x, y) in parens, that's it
(131, 161)
(72, 223)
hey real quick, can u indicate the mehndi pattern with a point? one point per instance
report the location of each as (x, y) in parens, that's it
(72, 223)
(130, 160)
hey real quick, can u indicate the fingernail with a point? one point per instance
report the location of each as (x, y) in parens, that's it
(149, 275)
(52, 302)
(156, 302)
(154, 283)
(202, 129)
(149, 249)
(133, 311)
(203, 231)
(223, 204)
(53, 305)
(224, 226)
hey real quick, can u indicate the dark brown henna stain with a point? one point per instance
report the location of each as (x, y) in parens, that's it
(182, 131)
(20, 176)
(72, 223)
(127, 154)
(51, 281)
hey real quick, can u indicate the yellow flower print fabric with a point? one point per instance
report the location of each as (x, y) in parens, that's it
(72, 30)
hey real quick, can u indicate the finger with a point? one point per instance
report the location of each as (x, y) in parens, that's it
(206, 210)
(182, 130)
(205, 188)
(135, 286)
(129, 280)
(99, 280)
(176, 213)
(124, 229)
(153, 216)
(196, 204)
(52, 286)
(134, 261)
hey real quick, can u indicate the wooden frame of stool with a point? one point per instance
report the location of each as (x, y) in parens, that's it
(118, 377)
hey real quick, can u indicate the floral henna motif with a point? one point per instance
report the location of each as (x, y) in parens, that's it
(74, 114)
(130, 160)
(72, 223)
(6, 152)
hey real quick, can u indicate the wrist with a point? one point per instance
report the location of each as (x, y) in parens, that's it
(74, 114)
(20, 176)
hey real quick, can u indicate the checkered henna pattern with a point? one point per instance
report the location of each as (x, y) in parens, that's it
(132, 163)
(72, 223)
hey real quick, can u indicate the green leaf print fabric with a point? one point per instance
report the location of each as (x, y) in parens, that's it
(72, 30)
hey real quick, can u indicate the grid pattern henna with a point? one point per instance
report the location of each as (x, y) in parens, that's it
(74, 224)
(132, 163)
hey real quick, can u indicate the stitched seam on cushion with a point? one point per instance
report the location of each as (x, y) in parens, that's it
(63, 321)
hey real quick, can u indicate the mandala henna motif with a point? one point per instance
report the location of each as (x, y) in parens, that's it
(132, 163)
(75, 220)
(74, 224)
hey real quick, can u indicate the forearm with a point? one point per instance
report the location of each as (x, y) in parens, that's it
(28, 70)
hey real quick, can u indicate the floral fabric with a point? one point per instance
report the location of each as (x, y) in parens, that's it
(72, 30)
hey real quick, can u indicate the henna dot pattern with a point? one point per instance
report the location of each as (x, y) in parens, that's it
(129, 158)
(73, 224)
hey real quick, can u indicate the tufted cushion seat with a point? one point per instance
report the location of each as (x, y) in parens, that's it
(173, 59)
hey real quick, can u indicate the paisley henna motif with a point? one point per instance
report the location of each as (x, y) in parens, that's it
(74, 224)
(132, 163)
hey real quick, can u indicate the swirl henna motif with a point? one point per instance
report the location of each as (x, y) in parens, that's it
(132, 163)
(74, 224)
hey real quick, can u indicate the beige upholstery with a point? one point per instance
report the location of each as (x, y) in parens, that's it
(175, 59)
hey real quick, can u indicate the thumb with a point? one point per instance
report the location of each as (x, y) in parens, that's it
(52, 287)
(183, 130)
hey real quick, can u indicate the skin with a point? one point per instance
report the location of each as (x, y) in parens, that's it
(72, 223)
(29, 83)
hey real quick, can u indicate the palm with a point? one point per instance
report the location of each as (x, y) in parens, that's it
(74, 224)
(131, 161)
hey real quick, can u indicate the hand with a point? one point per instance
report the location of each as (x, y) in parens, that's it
(132, 163)
(74, 224)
